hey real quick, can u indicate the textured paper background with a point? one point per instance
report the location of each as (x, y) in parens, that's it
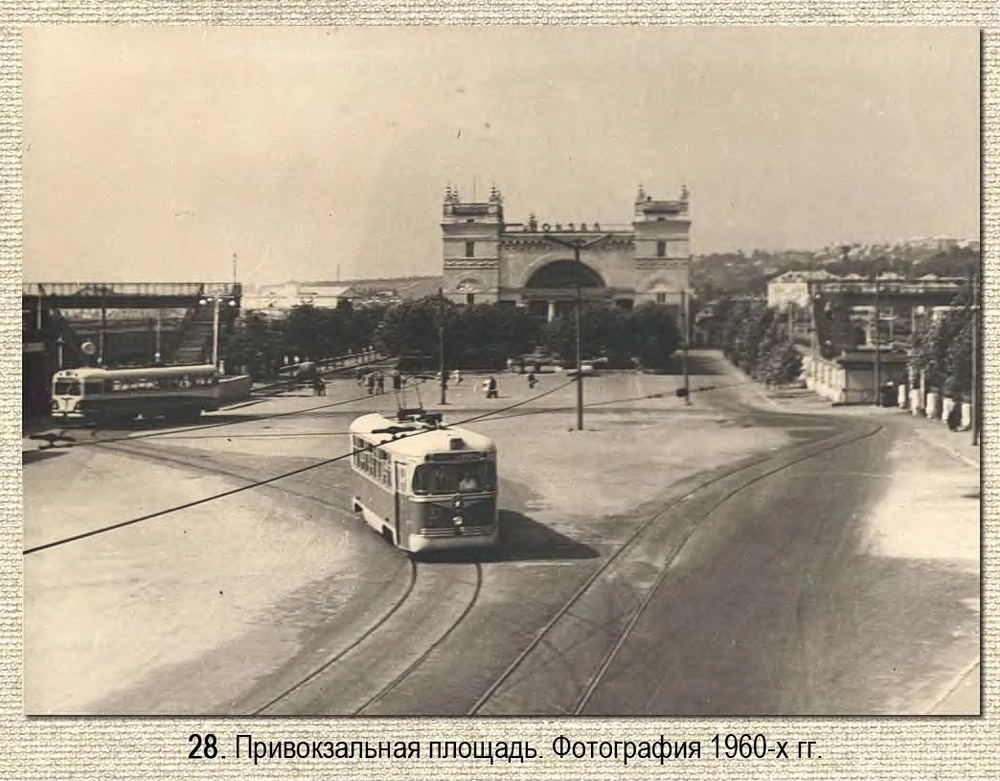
(157, 748)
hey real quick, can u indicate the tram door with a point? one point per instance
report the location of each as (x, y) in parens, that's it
(398, 484)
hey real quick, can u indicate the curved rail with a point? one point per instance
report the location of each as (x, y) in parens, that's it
(628, 545)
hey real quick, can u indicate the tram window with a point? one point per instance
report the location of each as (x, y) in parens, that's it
(93, 387)
(450, 478)
(67, 388)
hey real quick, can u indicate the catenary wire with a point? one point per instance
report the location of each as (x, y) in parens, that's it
(255, 484)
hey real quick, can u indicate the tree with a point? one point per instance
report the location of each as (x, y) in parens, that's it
(655, 334)
(410, 330)
(256, 344)
(942, 348)
(782, 363)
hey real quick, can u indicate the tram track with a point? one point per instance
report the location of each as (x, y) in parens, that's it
(568, 638)
(311, 693)
(358, 651)
(362, 674)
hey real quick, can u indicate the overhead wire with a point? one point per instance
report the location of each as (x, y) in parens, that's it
(249, 486)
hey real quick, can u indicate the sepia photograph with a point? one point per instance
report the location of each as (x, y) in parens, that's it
(501, 371)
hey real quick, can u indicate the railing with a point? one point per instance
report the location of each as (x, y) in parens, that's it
(113, 289)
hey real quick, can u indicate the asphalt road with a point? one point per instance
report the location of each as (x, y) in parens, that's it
(788, 580)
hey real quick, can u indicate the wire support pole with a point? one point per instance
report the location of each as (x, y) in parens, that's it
(576, 246)
(441, 371)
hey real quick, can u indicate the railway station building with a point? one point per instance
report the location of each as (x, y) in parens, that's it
(533, 264)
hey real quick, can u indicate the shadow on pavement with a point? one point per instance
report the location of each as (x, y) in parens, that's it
(524, 539)
(521, 539)
(31, 456)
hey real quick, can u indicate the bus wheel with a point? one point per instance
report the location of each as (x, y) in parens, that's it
(387, 534)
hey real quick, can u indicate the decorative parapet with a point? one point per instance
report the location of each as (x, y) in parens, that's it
(453, 263)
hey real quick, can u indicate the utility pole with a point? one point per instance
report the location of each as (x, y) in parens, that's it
(974, 417)
(576, 246)
(579, 354)
(684, 348)
(156, 354)
(444, 377)
(103, 332)
(878, 351)
(215, 333)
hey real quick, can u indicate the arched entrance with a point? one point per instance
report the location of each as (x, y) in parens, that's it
(551, 290)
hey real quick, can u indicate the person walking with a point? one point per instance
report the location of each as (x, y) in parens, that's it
(397, 380)
(955, 415)
(370, 382)
(532, 380)
(380, 381)
(492, 388)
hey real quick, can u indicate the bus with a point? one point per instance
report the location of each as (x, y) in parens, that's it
(92, 396)
(422, 485)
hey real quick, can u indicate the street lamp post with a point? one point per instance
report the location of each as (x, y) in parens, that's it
(576, 245)
(216, 302)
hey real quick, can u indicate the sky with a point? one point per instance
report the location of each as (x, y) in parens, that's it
(157, 153)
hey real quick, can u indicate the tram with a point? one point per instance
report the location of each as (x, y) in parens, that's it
(102, 396)
(422, 485)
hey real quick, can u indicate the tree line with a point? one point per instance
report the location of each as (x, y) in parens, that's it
(942, 348)
(479, 336)
(756, 340)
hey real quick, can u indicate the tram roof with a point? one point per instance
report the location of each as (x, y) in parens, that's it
(149, 371)
(416, 439)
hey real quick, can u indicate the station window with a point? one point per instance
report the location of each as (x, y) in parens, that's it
(470, 249)
(661, 249)
(661, 298)
(470, 298)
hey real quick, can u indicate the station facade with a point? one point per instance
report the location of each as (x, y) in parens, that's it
(534, 264)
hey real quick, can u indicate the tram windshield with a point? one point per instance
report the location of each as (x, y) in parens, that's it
(453, 478)
(67, 388)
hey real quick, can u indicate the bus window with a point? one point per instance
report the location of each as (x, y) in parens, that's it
(93, 387)
(67, 388)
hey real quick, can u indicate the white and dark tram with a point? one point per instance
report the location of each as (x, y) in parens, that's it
(101, 396)
(423, 485)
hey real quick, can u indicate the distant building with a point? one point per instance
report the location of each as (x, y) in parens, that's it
(793, 288)
(859, 331)
(279, 299)
(489, 260)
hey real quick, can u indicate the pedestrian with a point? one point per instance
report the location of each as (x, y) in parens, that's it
(955, 416)
(370, 382)
(457, 377)
(510, 364)
(492, 389)
(380, 380)
(319, 386)
(397, 380)
(532, 380)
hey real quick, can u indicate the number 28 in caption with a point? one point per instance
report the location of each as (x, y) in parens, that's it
(204, 747)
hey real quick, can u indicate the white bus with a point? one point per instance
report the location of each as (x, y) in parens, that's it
(101, 396)
(422, 485)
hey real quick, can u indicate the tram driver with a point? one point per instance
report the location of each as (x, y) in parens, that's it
(469, 482)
